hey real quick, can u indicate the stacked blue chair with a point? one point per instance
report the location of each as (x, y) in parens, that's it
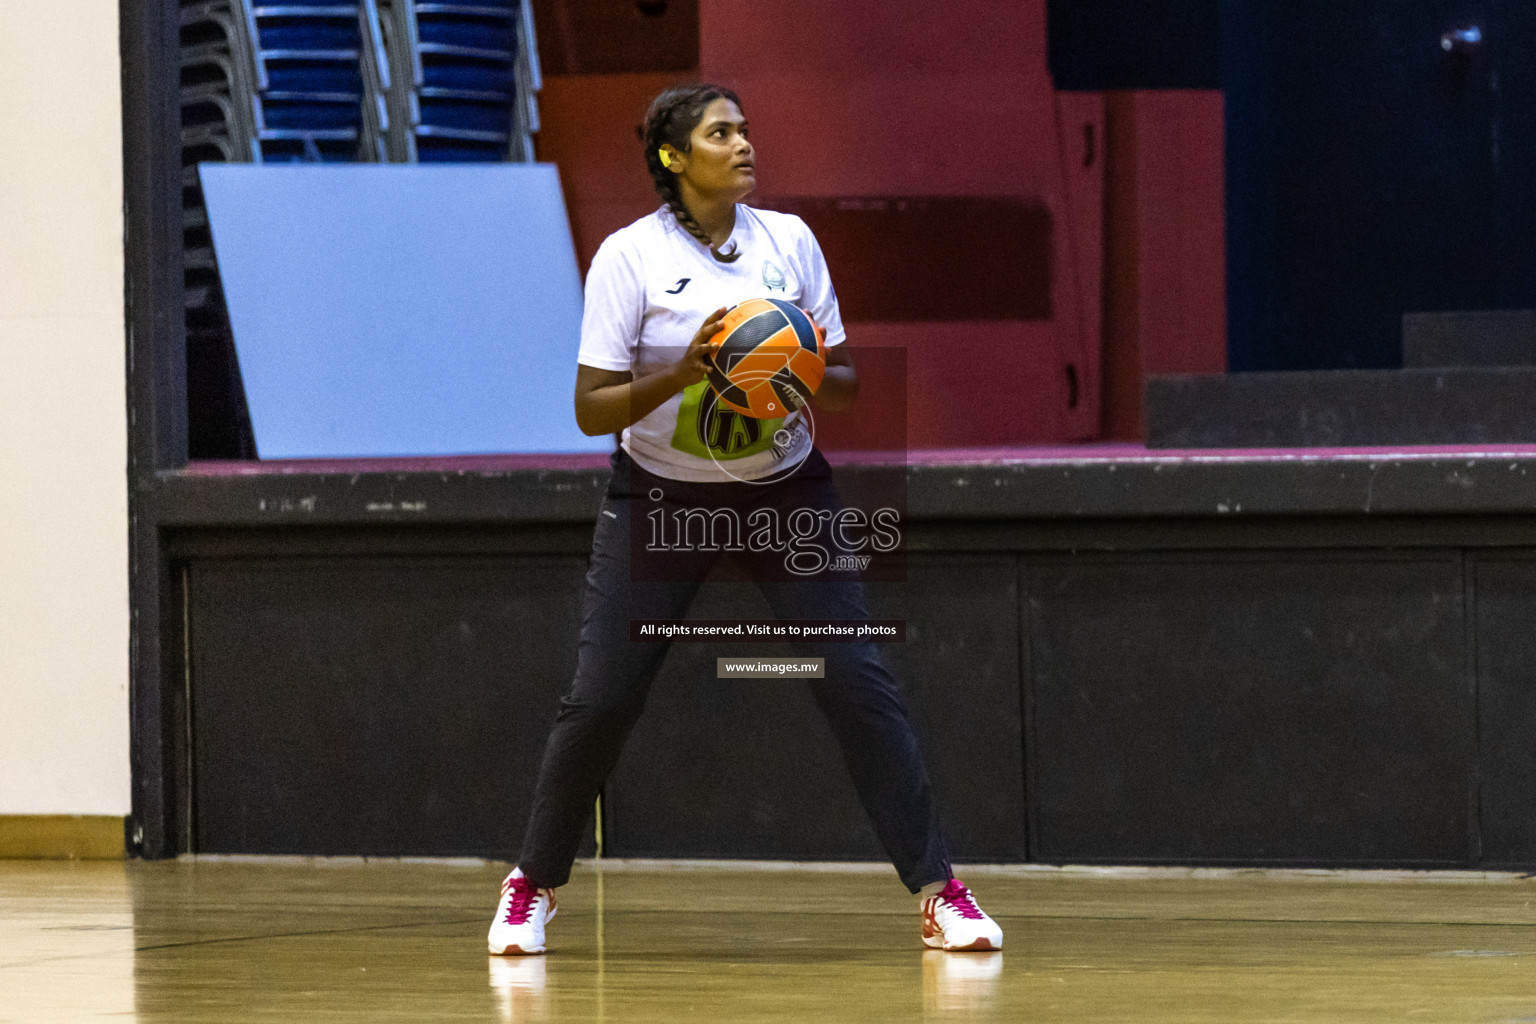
(310, 57)
(465, 77)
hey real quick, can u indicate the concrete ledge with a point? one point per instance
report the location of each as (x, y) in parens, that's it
(1476, 337)
(1342, 408)
(61, 837)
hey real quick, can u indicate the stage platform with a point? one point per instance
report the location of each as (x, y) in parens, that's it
(1302, 657)
(1070, 481)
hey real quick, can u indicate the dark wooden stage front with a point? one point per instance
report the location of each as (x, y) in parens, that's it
(1113, 655)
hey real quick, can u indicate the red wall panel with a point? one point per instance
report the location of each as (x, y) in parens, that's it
(1183, 232)
(880, 99)
(858, 99)
(1165, 295)
(587, 127)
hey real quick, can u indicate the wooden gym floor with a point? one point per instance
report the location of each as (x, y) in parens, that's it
(321, 941)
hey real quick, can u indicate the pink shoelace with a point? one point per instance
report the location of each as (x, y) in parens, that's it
(523, 895)
(959, 897)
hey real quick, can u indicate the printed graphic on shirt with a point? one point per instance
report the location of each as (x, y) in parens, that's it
(773, 277)
(707, 429)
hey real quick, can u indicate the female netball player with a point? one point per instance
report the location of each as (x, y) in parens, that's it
(655, 296)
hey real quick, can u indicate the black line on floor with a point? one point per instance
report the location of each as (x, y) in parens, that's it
(294, 935)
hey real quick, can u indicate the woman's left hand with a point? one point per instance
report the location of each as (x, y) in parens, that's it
(840, 384)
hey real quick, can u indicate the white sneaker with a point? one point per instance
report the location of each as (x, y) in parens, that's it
(519, 924)
(952, 920)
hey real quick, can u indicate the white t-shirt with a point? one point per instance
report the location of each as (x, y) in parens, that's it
(650, 287)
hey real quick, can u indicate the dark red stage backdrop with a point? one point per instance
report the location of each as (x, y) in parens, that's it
(898, 99)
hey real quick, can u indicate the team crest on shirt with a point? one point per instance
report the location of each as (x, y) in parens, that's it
(773, 277)
(709, 430)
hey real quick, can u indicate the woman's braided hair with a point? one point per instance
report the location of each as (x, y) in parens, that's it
(671, 120)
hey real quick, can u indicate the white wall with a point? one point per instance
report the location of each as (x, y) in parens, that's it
(63, 430)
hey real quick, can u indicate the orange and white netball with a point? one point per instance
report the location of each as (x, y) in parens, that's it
(769, 358)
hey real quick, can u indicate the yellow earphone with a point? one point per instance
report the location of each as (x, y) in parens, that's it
(666, 158)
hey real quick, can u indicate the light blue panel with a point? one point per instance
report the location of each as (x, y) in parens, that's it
(396, 310)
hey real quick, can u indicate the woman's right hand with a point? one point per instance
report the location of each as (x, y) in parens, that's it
(695, 363)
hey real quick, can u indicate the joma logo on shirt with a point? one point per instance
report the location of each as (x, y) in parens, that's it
(682, 283)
